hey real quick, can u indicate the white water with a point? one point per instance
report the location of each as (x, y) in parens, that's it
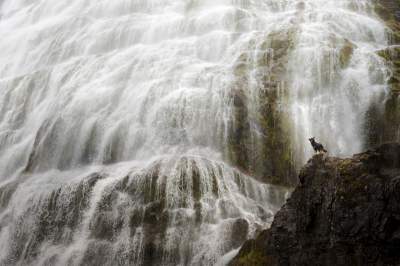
(86, 84)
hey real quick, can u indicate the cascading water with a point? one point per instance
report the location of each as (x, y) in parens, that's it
(129, 129)
(335, 74)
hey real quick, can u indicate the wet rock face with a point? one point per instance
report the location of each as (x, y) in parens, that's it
(383, 120)
(51, 220)
(259, 135)
(389, 11)
(183, 212)
(347, 212)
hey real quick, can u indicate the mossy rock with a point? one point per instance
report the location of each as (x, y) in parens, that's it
(239, 131)
(386, 10)
(383, 12)
(346, 53)
(258, 141)
(253, 258)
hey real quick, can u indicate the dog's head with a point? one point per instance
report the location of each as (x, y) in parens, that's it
(312, 139)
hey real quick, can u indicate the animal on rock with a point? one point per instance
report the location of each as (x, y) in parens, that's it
(318, 147)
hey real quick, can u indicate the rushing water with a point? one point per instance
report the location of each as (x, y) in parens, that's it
(129, 128)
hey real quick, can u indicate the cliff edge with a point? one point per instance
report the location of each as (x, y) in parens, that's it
(346, 212)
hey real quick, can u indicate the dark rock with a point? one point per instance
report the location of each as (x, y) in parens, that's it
(97, 253)
(347, 212)
(6, 193)
(240, 229)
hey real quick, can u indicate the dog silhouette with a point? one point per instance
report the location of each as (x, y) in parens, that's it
(318, 147)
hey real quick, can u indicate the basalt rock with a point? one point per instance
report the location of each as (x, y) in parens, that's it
(346, 212)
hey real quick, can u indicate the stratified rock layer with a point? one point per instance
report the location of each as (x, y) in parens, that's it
(346, 212)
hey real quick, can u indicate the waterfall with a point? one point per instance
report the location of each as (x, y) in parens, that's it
(149, 132)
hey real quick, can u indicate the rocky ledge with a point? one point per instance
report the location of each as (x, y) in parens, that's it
(345, 212)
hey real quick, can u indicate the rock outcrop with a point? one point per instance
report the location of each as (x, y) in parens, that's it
(346, 212)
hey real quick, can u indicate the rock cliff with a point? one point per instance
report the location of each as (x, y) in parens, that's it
(345, 212)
